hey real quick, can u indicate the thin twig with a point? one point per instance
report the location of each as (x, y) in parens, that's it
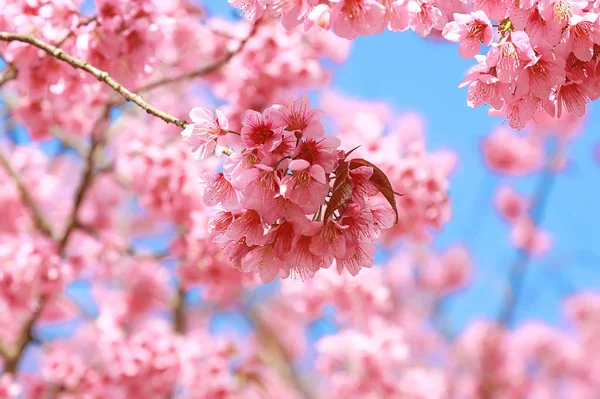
(179, 309)
(40, 222)
(204, 70)
(129, 251)
(71, 32)
(9, 73)
(280, 358)
(87, 175)
(13, 356)
(101, 75)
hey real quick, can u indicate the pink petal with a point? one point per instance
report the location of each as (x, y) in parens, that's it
(298, 164)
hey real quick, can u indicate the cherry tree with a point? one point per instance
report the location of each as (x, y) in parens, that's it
(161, 166)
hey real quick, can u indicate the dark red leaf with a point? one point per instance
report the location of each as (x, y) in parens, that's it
(341, 174)
(342, 190)
(380, 180)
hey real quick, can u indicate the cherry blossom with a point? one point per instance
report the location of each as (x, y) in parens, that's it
(261, 244)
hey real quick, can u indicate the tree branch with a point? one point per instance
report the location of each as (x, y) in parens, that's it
(9, 73)
(13, 356)
(85, 22)
(40, 222)
(102, 76)
(204, 70)
(87, 175)
(179, 321)
(519, 266)
(273, 346)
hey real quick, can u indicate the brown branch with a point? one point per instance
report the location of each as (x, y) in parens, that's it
(279, 357)
(85, 22)
(101, 75)
(204, 70)
(40, 222)
(124, 250)
(179, 319)
(9, 73)
(13, 356)
(87, 176)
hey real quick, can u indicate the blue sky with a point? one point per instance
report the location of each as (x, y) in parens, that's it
(416, 74)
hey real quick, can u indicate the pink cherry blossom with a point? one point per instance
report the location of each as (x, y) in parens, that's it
(252, 9)
(133, 264)
(306, 186)
(509, 203)
(527, 237)
(470, 30)
(301, 118)
(506, 152)
(350, 18)
(205, 132)
(261, 130)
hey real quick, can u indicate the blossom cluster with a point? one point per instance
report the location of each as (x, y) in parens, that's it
(291, 202)
(397, 143)
(384, 345)
(542, 55)
(147, 41)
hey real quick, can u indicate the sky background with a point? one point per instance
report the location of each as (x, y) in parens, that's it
(415, 74)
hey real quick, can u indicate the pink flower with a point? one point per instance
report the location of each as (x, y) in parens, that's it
(300, 118)
(323, 152)
(495, 9)
(547, 73)
(507, 152)
(218, 190)
(357, 256)
(509, 203)
(205, 132)
(448, 272)
(302, 262)
(307, 185)
(261, 186)
(484, 85)
(261, 130)
(350, 18)
(399, 19)
(582, 33)
(263, 260)
(561, 11)
(526, 236)
(235, 250)
(535, 22)
(362, 186)
(470, 30)
(239, 169)
(572, 98)
(247, 225)
(425, 16)
(252, 9)
(292, 12)
(329, 240)
(320, 15)
(511, 56)
(9, 389)
(519, 111)
(285, 236)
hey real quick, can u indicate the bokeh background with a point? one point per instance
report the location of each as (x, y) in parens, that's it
(422, 75)
(410, 73)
